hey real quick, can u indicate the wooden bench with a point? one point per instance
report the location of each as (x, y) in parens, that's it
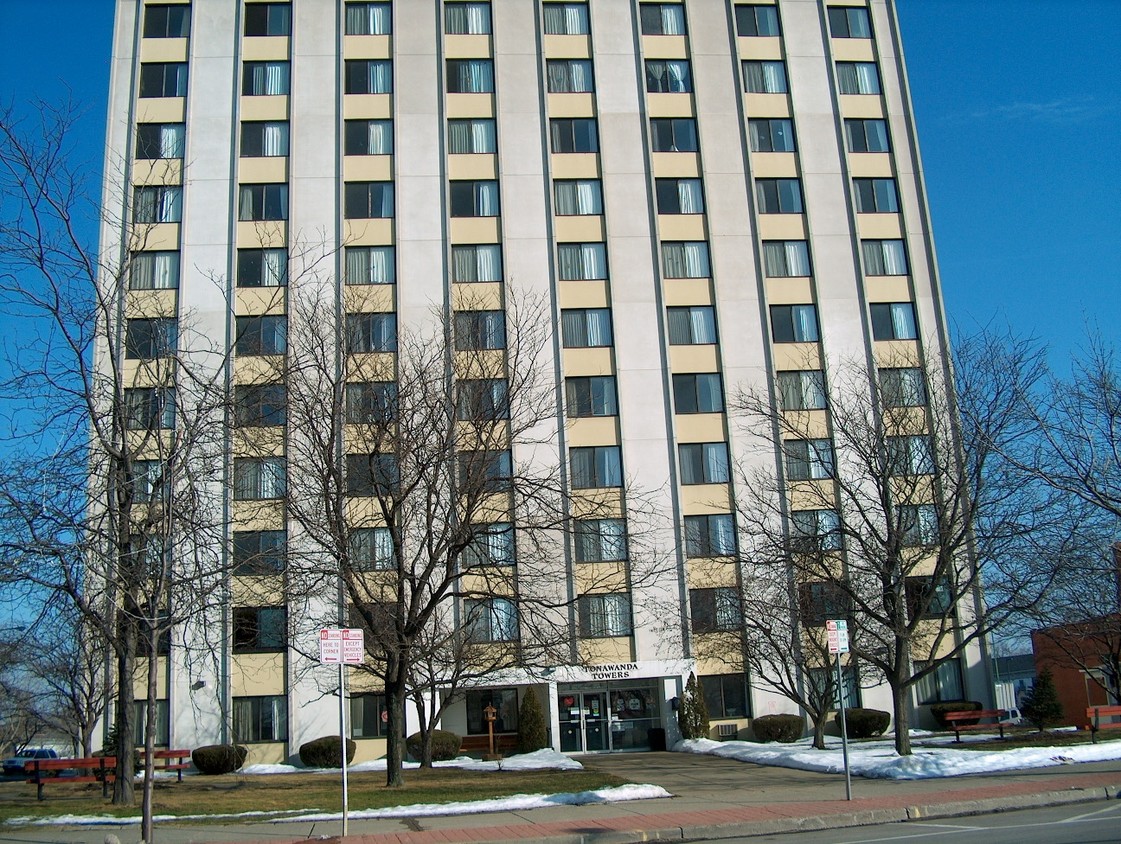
(954, 719)
(1094, 715)
(163, 761)
(503, 743)
(102, 769)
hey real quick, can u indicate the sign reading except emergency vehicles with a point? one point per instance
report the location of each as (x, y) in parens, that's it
(838, 633)
(341, 645)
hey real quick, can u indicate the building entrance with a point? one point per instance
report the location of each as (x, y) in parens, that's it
(595, 717)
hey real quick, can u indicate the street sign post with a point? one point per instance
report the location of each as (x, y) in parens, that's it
(342, 646)
(837, 632)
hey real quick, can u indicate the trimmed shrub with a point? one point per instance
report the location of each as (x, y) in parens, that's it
(445, 745)
(782, 728)
(326, 752)
(219, 758)
(532, 734)
(939, 710)
(864, 723)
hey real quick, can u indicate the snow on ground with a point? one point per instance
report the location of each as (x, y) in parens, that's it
(878, 759)
(539, 760)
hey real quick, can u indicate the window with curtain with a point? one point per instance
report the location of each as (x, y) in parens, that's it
(802, 389)
(903, 387)
(673, 134)
(918, 524)
(167, 21)
(715, 610)
(866, 135)
(565, 18)
(260, 405)
(808, 460)
(893, 321)
(150, 482)
(264, 138)
(475, 330)
(368, 19)
(698, 392)
(691, 326)
(159, 140)
(371, 549)
(261, 203)
(884, 257)
(368, 716)
(726, 695)
(470, 76)
(369, 76)
(259, 478)
(482, 399)
(606, 615)
(260, 718)
(713, 535)
(261, 335)
(794, 323)
(149, 408)
(153, 271)
(581, 261)
(368, 200)
(876, 196)
(481, 262)
(942, 684)
(599, 540)
(578, 197)
(573, 134)
(679, 196)
(265, 79)
(583, 328)
(687, 259)
(474, 198)
(371, 402)
(484, 471)
(668, 76)
(786, 258)
(661, 18)
(849, 22)
(771, 134)
(491, 545)
(858, 78)
(820, 679)
(268, 19)
(756, 21)
(467, 18)
(592, 395)
(569, 76)
(703, 463)
(262, 267)
(822, 600)
(370, 333)
(157, 204)
(368, 137)
(148, 339)
(815, 530)
(371, 474)
(764, 77)
(370, 265)
(490, 620)
(596, 467)
(471, 136)
(259, 552)
(910, 455)
(779, 196)
(163, 79)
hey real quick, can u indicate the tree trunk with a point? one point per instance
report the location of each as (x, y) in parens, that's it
(395, 723)
(902, 716)
(425, 732)
(149, 738)
(819, 720)
(123, 790)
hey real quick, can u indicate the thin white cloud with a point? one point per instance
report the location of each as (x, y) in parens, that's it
(1061, 110)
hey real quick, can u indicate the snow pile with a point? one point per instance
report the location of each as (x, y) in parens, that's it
(539, 760)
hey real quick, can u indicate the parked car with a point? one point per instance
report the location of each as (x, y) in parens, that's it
(14, 764)
(1014, 718)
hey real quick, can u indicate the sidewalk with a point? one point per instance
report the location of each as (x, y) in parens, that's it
(714, 798)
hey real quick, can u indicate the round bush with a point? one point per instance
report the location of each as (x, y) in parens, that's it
(219, 758)
(783, 728)
(864, 723)
(939, 710)
(326, 752)
(445, 745)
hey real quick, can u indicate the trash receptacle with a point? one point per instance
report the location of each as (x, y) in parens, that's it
(657, 738)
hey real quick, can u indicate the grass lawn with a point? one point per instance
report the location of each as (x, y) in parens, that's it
(1021, 737)
(295, 793)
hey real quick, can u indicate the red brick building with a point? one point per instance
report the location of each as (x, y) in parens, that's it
(1084, 661)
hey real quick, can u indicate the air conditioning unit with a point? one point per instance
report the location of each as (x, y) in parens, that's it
(726, 730)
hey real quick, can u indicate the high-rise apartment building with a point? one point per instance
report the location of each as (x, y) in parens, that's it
(697, 195)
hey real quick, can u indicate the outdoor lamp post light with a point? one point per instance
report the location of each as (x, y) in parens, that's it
(490, 714)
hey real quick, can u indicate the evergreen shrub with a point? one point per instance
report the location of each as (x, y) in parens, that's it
(214, 759)
(326, 752)
(781, 728)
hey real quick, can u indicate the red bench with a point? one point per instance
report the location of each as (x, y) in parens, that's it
(1094, 715)
(956, 719)
(503, 743)
(101, 769)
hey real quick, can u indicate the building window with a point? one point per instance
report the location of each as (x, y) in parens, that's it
(700, 392)
(371, 402)
(369, 76)
(259, 552)
(585, 328)
(794, 323)
(154, 271)
(893, 321)
(673, 134)
(574, 134)
(764, 77)
(490, 620)
(163, 79)
(943, 683)
(819, 678)
(163, 204)
(771, 134)
(261, 203)
(260, 405)
(592, 395)
(265, 79)
(149, 408)
(822, 600)
(903, 387)
(264, 139)
(159, 140)
(858, 77)
(482, 399)
(163, 720)
(779, 196)
(368, 200)
(668, 76)
(149, 482)
(599, 540)
(262, 267)
(786, 258)
(505, 703)
(910, 455)
(713, 535)
(714, 610)
(261, 335)
(604, 616)
(866, 135)
(266, 19)
(474, 199)
(371, 474)
(491, 545)
(757, 21)
(368, 137)
(371, 549)
(259, 478)
(688, 259)
(569, 76)
(918, 524)
(802, 389)
(148, 339)
(849, 22)
(691, 326)
(475, 330)
(661, 18)
(679, 196)
(368, 19)
(259, 629)
(812, 531)
(596, 467)
(167, 21)
(470, 76)
(581, 261)
(467, 18)
(370, 265)
(884, 257)
(485, 471)
(471, 136)
(369, 715)
(808, 459)
(477, 263)
(566, 18)
(260, 718)
(725, 695)
(578, 197)
(876, 196)
(703, 463)
(369, 333)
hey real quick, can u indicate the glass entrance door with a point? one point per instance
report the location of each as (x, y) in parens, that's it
(583, 721)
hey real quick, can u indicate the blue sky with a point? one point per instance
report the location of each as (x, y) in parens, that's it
(1019, 122)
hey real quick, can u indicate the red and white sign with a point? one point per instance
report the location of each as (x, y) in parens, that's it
(838, 633)
(341, 645)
